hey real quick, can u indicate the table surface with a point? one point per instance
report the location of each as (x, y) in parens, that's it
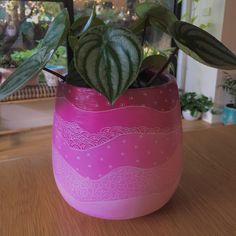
(204, 203)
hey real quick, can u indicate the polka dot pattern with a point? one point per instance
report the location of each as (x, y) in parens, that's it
(143, 151)
(142, 130)
(162, 98)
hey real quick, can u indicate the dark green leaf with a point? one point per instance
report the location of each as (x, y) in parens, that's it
(108, 59)
(138, 25)
(195, 103)
(154, 61)
(158, 15)
(82, 24)
(143, 9)
(74, 78)
(162, 18)
(73, 41)
(202, 46)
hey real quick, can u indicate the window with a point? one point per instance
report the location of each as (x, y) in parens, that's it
(22, 25)
(121, 12)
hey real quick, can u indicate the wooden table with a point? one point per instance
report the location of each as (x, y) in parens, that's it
(204, 204)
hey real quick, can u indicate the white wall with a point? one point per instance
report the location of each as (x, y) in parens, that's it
(200, 78)
(182, 57)
(229, 39)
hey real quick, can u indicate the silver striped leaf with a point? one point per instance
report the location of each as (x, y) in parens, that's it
(202, 46)
(108, 58)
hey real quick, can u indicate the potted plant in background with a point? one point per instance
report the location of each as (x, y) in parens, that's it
(194, 105)
(229, 113)
(117, 127)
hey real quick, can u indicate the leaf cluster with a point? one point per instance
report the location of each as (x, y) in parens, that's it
(110, 58)
(229, 85)
(195, 103)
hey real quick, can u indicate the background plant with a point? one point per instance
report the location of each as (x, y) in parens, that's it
(195, 103)
(229, 85)
(30, 19)
(21, 56)
(58, 58)
(7, 62)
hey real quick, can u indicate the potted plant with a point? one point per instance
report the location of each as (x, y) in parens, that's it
(229, 113)
(117, 149)
(194, 105)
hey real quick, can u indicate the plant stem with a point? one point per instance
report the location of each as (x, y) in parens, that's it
(157, 74)
(145, 30)
(55, 73)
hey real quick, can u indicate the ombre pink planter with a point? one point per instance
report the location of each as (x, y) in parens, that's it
(121, 161)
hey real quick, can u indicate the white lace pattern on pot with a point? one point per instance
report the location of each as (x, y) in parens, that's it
(121, 183)
(80, 139)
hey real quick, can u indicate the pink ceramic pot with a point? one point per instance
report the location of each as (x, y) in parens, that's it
(121, 161)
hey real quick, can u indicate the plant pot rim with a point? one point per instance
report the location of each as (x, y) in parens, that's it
(163, 98)
(230, 108)
(171, 80)
(188, 116)
(190, 111)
